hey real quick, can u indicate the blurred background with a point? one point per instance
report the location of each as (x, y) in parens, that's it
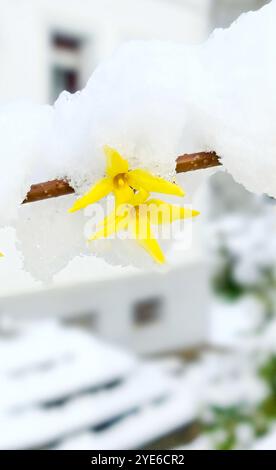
(109, 357)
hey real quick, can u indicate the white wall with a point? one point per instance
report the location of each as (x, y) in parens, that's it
(25, 26)
(182, 323)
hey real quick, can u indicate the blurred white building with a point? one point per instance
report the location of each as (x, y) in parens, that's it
(147, 313)
(224, 12)
(50, 45)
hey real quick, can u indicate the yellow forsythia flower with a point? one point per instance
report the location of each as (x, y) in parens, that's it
(135, 217)
(123, 182)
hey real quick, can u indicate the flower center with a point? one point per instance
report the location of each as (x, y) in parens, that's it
(120, 180)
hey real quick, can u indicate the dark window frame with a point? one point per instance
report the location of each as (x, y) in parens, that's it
(147, 312)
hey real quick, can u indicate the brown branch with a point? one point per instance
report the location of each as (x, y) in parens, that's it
(47, 190)
(184, 163)
(196, 161)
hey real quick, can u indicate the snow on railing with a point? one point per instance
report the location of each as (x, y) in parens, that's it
(81, 391)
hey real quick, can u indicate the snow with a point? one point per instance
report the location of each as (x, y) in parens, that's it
(54, 235)
(230, 323)
(147, 385)
(85, 394)
(22, 129)
(200, 443)
(239, 99)
(74, 362)
(152, 101)
(250, 239)
(267, 442)
(56, 396)
(135, 431)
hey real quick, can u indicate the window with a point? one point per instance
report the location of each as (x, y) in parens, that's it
(66, 54)
(64, 79)
(86, 320)
(147, 311)
(66, 42)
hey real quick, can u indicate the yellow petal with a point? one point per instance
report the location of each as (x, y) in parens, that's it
(1, 255)
(105, 232)
(123, 194)
(101, 189)
(118, 213)
(115, 163)
(143, 179)
(140, 197)
(163, 213)
(151, 245)
(112, 225)
(108, 219)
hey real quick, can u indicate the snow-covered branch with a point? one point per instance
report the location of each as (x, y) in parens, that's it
(184, 163)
